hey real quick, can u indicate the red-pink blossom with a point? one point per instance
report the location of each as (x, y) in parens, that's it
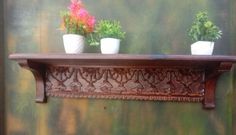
(91, 22)
(82, 14)
(81, 17)
(75, 6)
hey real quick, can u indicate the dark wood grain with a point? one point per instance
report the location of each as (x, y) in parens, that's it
(185, 78)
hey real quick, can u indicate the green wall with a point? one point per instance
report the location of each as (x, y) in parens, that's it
(1, 71)
(153, 27)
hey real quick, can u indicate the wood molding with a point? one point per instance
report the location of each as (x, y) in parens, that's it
(183, 78)
(139, 83)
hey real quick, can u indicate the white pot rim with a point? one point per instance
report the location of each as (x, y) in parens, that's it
(73, 35)
(204, 41)
(111, 38)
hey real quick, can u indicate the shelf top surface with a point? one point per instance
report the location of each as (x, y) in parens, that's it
(97, 56)
(121, 59)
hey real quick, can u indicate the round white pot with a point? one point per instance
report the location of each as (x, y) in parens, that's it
(110, 45)
(202, 48)
(73, 43)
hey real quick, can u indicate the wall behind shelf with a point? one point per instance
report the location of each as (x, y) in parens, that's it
(153, 27)
(2, 93)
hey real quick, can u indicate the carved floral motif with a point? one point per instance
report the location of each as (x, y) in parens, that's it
(158, 83)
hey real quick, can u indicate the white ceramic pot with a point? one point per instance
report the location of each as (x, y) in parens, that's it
(73, 43)
(202, 48)
(110, 45)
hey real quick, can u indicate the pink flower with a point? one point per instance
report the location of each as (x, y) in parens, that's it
(75, 6)
(91, 21)
(82, 14)
(90, 24)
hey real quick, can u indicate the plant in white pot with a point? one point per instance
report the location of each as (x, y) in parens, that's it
(204, 32)
(77, 23)
(110, 34)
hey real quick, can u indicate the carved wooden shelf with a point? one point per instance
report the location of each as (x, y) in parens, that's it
(184, 78)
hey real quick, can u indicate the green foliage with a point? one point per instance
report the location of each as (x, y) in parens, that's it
(203, 29)
(92, 39)
(105, 29)
(109, 29)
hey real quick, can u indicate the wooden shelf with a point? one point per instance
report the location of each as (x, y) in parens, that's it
(185, 78)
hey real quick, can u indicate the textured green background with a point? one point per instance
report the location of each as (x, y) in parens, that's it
(1, 71)
(153, 27)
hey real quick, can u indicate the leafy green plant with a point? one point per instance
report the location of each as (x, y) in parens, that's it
(109, 29)
(203, 29)
(105, 29)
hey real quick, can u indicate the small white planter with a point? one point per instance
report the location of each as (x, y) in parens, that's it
(202, 48)
(110, 45)
(73, 43)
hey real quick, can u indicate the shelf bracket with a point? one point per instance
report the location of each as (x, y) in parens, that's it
(38, 71)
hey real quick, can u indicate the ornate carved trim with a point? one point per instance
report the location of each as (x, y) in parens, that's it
(159, 83)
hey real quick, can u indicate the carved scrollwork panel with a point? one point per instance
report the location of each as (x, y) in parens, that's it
(158, 83)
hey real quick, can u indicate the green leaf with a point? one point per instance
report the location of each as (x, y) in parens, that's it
(203, 29)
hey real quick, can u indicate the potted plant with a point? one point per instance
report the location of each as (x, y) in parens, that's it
(110, 34)
(204, 33)
(77, 23)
